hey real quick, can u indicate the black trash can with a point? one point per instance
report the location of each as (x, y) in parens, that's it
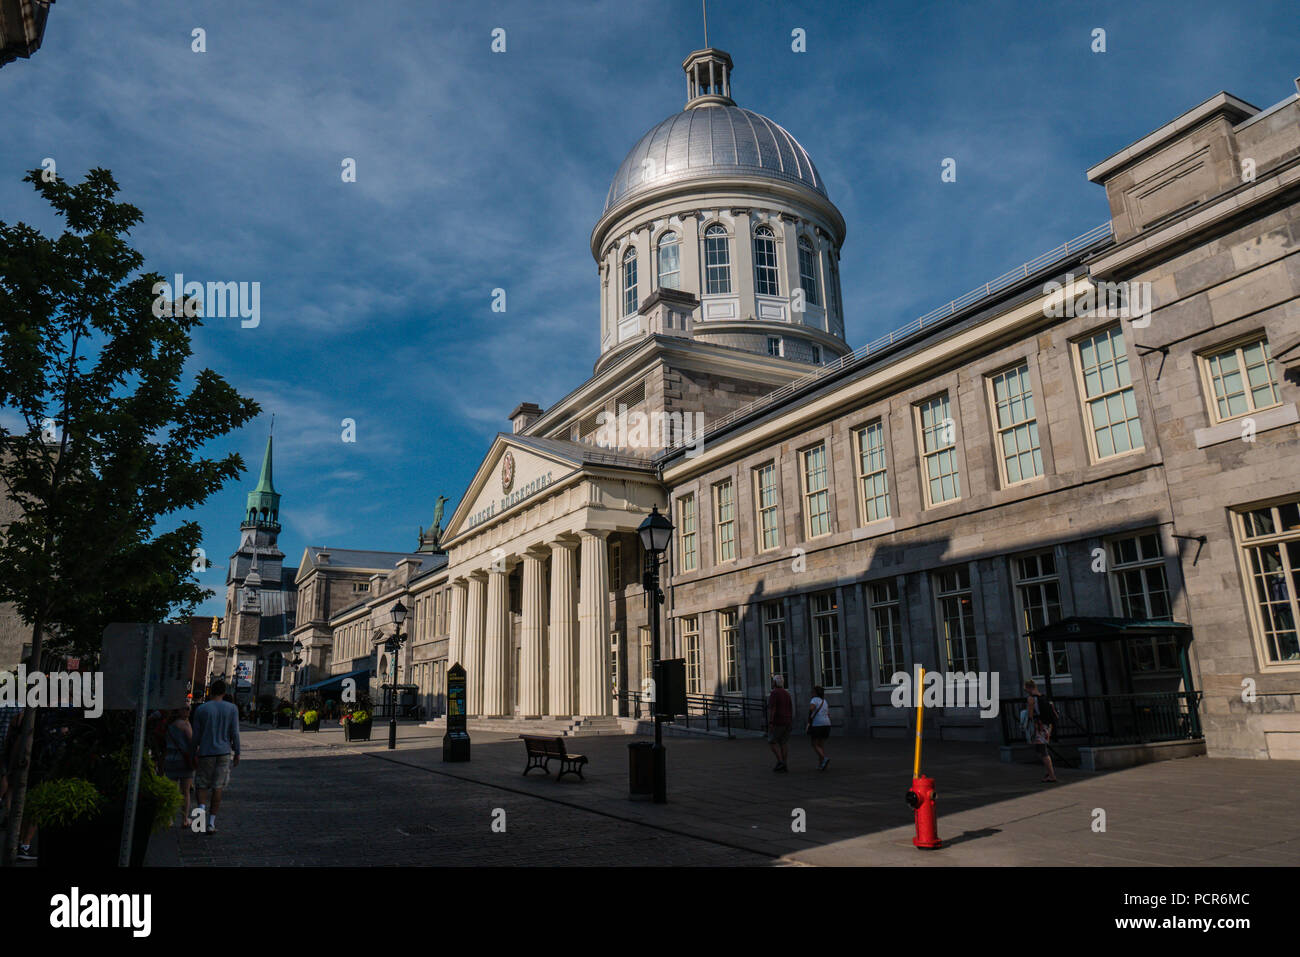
(641, 770)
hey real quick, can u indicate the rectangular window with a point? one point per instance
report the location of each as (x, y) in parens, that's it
(1016, 425)
(1038, 592)
(1108, 394)
(774, 345)
(816, 492)
(691, 648)
(817, 354)
(728, 632)
(873, 476)
(826, 628)
(887, 625)
(808, 271)
(615, 565)
(1137, 571)
(765, 273)
(1270, 543)
(647, 656)
(1242, 379)
(687, 531)
(724, 520)
(769, 534)
(717, 262)
(774, 635)
(938, 433)
(957, 618)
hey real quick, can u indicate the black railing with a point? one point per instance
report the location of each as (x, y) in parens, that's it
(1113, 719)
(710, 712)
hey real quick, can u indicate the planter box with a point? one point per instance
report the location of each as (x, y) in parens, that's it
(284, 721)
(356, 730)
(96, 843)
(314, 726)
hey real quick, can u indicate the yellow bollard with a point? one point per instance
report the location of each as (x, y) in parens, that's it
(920, 707)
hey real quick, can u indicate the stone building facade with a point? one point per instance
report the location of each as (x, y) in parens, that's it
(1103, 438)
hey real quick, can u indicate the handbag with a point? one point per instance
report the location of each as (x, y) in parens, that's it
(809, 726)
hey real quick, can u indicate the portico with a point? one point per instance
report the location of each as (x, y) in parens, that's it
(529, 562)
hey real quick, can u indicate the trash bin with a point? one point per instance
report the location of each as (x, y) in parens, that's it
(641, 771)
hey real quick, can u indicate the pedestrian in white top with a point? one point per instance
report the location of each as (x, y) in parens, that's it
(819, 725)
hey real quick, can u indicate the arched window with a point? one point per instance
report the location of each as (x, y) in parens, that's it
(808, 271)
(629, 282)
(765, 275)
(834, 282)
(670, 261)
(274, 666)
(717, 261)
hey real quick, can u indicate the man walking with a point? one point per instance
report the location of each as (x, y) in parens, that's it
(780, 715)
(216, 748)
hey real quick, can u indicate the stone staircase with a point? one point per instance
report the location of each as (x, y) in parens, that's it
(574, 727)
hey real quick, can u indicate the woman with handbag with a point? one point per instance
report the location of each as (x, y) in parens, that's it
(178, 759)
(819, 725)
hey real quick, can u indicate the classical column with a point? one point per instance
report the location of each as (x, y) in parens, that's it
(475, 602)
(564, 632)
(532, 651)
(456, 625)
(496, 642)
(593, 626)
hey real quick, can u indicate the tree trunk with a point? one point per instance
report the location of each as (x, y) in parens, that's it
(27, 735)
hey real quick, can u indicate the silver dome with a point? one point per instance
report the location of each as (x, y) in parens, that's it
(712, 141)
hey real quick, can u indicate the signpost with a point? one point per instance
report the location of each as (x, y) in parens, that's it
(455, 743)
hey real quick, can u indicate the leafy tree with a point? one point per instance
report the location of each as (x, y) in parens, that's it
(109, 443)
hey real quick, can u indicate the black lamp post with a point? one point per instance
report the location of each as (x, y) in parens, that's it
(297, 663)
(392, 646)
(656, 532)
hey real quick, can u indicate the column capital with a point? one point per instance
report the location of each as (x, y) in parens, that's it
(538, 553)
(594, 533)
(562, 542)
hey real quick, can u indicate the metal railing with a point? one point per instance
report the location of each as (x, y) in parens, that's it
(1099, 720)
(710, 712)
(1092, 237)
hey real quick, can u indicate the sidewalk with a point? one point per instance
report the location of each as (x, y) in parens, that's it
(1192, 811)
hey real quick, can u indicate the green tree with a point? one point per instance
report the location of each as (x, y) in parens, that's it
(109, 443)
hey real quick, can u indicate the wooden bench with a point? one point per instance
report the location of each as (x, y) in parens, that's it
(541, 750)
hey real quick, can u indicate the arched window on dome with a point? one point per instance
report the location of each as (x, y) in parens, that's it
(629, 282)
(717, 261)
(808, 271)
(834, 283)
(766, 282)
(670, 261)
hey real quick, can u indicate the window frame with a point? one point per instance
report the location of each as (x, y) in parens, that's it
(630, 299)
(762, 512)
(1030, 421)
(941, 621)
(767, 270)
(1245, 542)
(819, 617)
(897, 643)
(1081, 386)
(717, 233)
(811, 295)
(691, 654)
(1021, 581)
(1115, 566)
(807, 493)
(861, 476)
(724, 530)
(782, 640)
(730, 673)
(1205, 358)
(692, 534)
(918, 422)
(669, 239)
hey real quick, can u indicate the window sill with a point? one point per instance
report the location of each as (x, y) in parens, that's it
(1274, 418)
(882, 526)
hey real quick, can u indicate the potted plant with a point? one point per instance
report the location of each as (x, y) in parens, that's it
(265, 703)
(67, 812)
(356, 725)
(284, 715)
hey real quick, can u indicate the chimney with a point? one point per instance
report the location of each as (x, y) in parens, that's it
(525, 415)
(322, 558)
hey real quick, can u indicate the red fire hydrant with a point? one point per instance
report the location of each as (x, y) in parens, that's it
(921, 800)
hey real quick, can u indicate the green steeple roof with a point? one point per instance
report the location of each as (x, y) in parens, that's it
(263, 506)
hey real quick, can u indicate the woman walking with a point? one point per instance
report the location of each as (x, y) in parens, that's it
(178, 761)
(819, 724)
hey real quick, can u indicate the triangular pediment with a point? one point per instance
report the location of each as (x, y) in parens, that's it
(515, 469)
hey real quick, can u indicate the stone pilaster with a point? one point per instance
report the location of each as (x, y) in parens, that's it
(496, 644)
(593, 626)
(532, 653)
(563, 632)
(475, 612)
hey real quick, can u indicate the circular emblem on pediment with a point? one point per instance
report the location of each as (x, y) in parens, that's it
(507, 472)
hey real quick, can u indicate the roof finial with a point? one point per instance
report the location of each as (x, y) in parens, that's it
(704, 5)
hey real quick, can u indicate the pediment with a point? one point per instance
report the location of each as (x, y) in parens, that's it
(511, 472)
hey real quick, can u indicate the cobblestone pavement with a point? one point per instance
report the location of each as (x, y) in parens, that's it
(311, 799)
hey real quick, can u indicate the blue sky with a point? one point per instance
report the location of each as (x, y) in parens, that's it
(478, 170)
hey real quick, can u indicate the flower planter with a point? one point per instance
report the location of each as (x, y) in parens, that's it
(314, 726)
(284, 721)
(96, 842)
(356, 730)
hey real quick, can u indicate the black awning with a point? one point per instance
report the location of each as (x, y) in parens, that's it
(1111, 629)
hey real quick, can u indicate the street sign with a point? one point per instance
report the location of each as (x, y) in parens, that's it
(170, 662)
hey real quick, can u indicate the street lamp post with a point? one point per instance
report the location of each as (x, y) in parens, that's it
(656, 532)
(393, 645)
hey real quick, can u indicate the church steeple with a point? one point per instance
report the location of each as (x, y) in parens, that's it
(263, 507)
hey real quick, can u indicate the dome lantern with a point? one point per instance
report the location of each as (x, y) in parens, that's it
(708, 78)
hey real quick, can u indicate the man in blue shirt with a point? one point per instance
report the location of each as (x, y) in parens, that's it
(216, 748)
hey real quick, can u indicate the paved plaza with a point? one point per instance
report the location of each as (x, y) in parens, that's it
(312, 799)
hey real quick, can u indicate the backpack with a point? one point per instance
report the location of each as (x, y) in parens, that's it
(1046, 712)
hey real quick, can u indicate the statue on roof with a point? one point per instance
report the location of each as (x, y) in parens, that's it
(431, 541)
